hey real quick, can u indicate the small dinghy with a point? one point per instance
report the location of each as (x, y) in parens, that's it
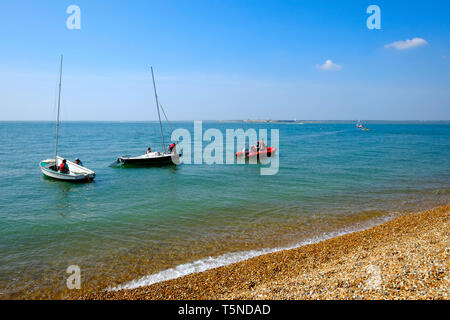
(154, 159)
(50, 167)
(76, 172)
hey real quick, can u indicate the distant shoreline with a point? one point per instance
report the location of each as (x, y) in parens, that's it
(341, 121)
(404, 258)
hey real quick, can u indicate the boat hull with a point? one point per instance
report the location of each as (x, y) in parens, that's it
(161, 160)
(257, 154)
(266, 153)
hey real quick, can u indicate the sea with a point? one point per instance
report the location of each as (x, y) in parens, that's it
(134, 226)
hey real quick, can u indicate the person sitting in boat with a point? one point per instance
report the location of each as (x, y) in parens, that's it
(172, 147)
(262, 146)
(63, 167)
(253, 148)
(149, 150)
(78, 162)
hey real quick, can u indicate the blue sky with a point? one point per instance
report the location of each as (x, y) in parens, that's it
(229, 59)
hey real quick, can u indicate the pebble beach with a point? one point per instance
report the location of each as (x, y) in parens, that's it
(404, 258)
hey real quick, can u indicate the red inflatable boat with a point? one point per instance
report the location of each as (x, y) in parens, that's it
(267, 152)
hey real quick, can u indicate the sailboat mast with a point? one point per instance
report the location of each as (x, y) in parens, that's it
(59, 105)
(159, 114)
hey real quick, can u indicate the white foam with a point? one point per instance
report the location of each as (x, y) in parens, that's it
(225, 260)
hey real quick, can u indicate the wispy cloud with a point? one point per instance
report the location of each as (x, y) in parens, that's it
(329, 66)
(407, 44)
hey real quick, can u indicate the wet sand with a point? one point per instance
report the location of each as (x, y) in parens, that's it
(405, 258)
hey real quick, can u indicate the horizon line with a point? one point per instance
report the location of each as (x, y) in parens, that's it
(230, 120)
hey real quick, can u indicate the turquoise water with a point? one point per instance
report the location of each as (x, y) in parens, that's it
(133, 222)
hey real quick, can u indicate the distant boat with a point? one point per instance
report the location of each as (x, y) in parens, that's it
(361, 126)
(153, 158)
(49, 167)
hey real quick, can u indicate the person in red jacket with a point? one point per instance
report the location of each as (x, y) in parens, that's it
(171, 147)
(63, 167)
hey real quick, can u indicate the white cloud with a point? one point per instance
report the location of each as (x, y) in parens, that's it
(329, 66)
(407, 44)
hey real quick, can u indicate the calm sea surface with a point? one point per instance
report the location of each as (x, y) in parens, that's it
(133, 222)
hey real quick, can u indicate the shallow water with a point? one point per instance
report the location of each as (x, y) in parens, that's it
(133, 222)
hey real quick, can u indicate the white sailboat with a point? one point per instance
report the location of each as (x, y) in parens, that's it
(49, 167)
(154, 158)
